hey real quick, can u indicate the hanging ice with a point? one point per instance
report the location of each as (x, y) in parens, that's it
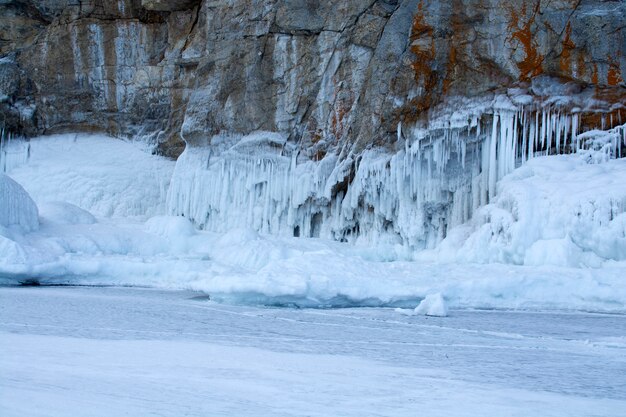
(436, 181)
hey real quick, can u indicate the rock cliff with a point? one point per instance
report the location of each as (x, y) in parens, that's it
(324, 73)
(381, 117)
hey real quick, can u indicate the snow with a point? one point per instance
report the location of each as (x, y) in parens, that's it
(124, 351)
(552, 238)
(433, 305)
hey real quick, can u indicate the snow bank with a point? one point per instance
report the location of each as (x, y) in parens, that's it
(17, 209)
(177, 231)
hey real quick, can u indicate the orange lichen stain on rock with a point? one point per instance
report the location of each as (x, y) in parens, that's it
(594, 74)
(424, 52)
(343, 105)
(451, 65)
(614, 75)
(458, 42)
(581, 69)
(602, 120)
(337, 121)
(565, 62)
(532, 64)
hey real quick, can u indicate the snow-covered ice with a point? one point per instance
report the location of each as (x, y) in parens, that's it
(125, 351)
(558, 210)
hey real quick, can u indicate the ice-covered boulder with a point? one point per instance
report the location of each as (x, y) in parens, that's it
(17, 208)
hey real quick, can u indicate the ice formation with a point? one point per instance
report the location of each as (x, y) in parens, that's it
(14, 151)
(436, 180)
(557, 210)
(17, 209)
(554, 215)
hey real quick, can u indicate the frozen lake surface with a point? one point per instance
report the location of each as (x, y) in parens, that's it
(96, 351)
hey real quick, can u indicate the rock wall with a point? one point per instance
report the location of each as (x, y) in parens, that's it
(358, 120)
(329, 75)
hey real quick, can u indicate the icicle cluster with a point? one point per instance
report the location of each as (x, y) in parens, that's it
(412, 197)
(14, 151)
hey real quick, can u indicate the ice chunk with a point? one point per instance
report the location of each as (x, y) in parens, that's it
(17, 209)
(432, 305)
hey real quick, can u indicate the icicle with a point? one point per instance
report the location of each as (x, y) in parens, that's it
(566, 124)
(514, 129)
(558, 134)
(575, 132)
(543, 129)
(524, 138)
(492, 158)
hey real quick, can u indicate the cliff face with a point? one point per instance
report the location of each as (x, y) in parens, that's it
(324, 73)
(376, 120)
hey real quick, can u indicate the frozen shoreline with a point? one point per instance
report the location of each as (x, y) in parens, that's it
(103, 351)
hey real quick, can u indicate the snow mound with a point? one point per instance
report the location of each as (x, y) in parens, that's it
(109, 177)
(11, 253)
(238, 236)
(17, 208)
(433, 305)
(60, 212)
